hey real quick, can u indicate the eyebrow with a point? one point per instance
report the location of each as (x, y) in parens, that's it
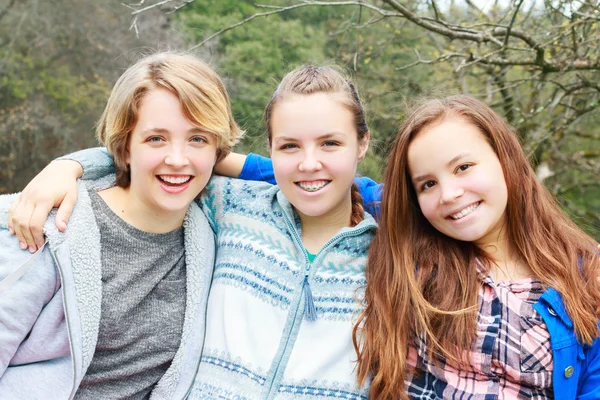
(328, 135)
(195, 129)
(420, 178)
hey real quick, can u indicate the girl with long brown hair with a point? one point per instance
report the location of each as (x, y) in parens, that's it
(479, 286)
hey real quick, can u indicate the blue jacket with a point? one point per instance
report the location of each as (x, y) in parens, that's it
(576, 372)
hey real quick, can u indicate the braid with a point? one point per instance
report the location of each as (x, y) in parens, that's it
(358, 211)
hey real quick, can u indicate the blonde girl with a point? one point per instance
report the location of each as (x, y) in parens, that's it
(115, 306)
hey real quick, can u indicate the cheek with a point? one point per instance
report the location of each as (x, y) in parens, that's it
(342, 164)
(145, 160)
(205, 160)
(429, 205)
(284, 165)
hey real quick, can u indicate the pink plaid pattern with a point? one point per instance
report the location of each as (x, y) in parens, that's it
(510, 359)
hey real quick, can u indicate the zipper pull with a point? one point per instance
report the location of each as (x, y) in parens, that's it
(310, 312)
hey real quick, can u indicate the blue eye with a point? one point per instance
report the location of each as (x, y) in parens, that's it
(154, 139)
(198, 139)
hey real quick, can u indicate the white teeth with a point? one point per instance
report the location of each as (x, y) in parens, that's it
(313, 186)
(176, 180)
(466, 211)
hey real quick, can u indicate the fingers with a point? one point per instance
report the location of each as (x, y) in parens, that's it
(11, 213)
(21, 225)
(65, 209)
(36, 222)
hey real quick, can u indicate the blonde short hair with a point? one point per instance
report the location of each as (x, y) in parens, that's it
(202, 94)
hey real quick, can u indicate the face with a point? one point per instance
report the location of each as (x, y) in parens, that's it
(459, 182)
(315, 152)
(170, 159)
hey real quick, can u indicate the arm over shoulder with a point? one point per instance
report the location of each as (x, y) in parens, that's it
(96, 162)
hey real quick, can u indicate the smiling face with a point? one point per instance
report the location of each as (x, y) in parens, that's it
(315, 153)
(170, 159)
(459, 181)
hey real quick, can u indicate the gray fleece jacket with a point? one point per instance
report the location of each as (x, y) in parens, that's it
(49, 317)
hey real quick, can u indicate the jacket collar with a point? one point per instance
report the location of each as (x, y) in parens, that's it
(289, 213)
(554, 301)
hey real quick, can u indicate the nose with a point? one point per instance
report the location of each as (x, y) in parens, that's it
(177, 157)
(450, 192)
(310, 162)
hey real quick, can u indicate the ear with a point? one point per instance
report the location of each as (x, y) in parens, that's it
(363, 146)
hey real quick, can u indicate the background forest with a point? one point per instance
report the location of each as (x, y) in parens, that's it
(536, 62)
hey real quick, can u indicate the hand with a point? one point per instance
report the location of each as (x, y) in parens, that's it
(54, 186)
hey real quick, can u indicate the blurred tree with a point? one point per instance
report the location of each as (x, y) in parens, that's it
(535, 62)
(58, 61)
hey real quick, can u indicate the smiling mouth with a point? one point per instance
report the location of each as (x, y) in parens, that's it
(172, 180)
(313, 186)
(464, 212)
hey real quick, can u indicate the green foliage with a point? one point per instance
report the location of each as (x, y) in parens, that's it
(57, 65)
(376, 53)
(254, 57)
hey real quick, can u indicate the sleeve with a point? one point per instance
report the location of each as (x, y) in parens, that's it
(371, 192)
(589, 382)
(211, 200)
(258, 168)
(23, 301)
(96, 162)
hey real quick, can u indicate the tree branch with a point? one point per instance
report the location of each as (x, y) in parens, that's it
(281, 9)
(7, 9)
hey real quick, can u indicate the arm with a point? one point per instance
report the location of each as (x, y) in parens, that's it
(54, 186)
(258, 168)
(231, 165)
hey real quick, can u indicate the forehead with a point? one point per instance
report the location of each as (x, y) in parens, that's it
(303, 116)
(441, 141)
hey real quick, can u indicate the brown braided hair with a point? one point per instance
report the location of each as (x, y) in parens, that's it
(310, 79)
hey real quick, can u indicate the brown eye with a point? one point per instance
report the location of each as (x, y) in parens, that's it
(288, 146)
(428, 185)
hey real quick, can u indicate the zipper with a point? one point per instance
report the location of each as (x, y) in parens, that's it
(306, 292)
(62, 280)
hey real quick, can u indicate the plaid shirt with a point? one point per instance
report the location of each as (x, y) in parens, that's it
(511, 357)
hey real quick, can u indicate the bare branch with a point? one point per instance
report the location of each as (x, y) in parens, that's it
(7, 9)
(135, 27)
(160, 3)
(437, 12)
(179, 7)
(512, 22)
(443, 57)
(292, 7)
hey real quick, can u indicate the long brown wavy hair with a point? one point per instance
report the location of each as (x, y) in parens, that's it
(422, 283)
